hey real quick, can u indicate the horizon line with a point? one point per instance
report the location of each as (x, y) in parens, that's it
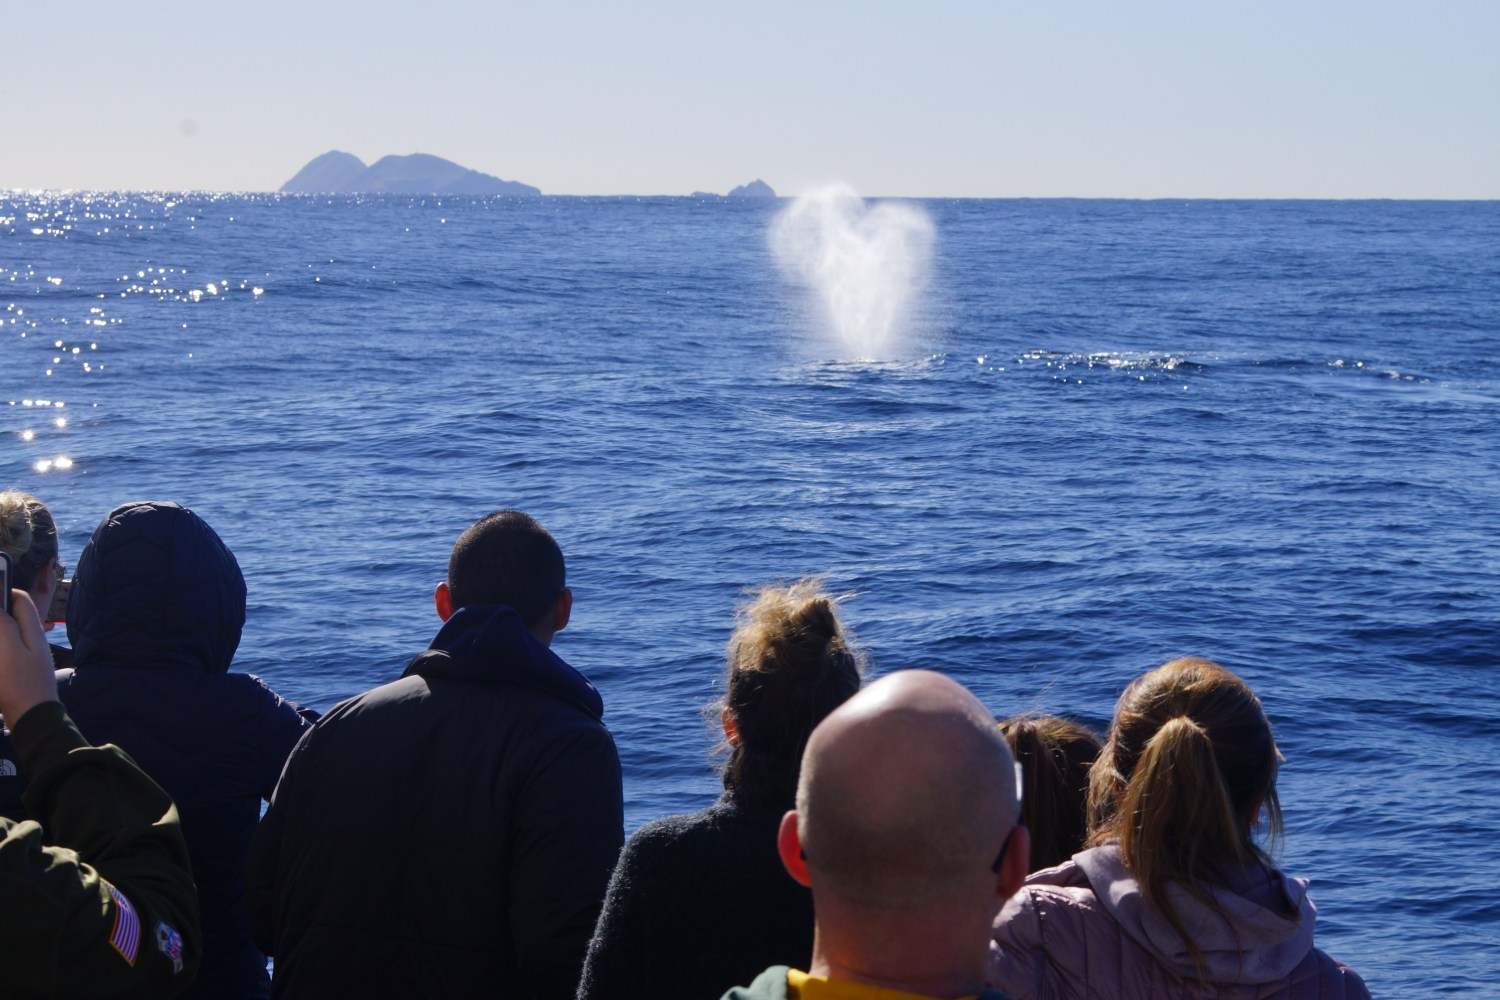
(706, 196)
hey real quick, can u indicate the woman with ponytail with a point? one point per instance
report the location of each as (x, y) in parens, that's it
(700, 903)
(1175, 898)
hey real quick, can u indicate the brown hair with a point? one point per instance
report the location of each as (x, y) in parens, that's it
(1188, 767)
(1055, 755)
(27, 534)
(790, 664)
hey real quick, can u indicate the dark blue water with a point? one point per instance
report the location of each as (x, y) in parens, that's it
(1116, 432)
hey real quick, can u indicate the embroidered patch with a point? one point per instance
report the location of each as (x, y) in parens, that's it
(169, 943)
(7, 768)
(126, 937)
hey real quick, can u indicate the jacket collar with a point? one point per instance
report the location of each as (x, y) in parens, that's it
(490, 644)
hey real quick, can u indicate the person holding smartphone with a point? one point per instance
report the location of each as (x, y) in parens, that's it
(107, 906)
(28, 544)
(28, 534)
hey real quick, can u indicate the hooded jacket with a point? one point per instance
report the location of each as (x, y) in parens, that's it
(1084, 929)
(155, 617)
(449, 834)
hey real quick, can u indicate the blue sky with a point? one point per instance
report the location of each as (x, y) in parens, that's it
(998, 99)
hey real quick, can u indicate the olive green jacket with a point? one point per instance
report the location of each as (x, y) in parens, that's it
(114, 913)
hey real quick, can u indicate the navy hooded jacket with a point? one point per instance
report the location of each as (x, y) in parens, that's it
(449, 834)
(155, 616)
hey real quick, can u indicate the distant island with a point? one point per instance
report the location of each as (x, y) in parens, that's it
(344, 173)
(755, 189)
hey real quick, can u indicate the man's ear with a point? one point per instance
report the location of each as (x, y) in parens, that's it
(1016, 864)
(562, 610)
(443, 601)
(789, 846)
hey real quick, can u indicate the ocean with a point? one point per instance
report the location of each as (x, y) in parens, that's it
(1107, 433)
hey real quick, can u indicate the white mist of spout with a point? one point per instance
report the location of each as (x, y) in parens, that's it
(868, 265)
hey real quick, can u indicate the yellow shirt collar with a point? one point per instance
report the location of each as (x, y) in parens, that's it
(801, 986)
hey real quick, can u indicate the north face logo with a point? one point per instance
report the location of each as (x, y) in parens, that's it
(7, 768)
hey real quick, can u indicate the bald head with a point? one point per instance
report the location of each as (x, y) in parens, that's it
(907, 793)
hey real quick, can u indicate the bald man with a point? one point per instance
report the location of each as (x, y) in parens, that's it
(906, 830)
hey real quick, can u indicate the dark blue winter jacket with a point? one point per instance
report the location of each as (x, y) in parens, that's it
(449, 834)
(155, 616)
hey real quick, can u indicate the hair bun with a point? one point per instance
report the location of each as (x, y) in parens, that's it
(27, 534)
(790, 664)
(15, 524)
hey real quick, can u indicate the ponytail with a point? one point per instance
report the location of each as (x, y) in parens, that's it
(1177, 822)
(1188, 768)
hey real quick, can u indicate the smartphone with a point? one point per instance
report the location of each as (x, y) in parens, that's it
(5, 581)
(57, 614)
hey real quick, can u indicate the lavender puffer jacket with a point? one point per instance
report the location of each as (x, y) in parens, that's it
(1083, 929)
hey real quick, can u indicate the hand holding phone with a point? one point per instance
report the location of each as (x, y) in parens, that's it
(26, 675)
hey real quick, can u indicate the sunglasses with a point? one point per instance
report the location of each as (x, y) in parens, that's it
(1000, 858)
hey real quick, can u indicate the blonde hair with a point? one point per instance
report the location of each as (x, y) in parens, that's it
(1189, 765)
(791, 663)
(1055, 755)
(27, 534)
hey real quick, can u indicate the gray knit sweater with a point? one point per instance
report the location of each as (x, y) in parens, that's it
(698, 904)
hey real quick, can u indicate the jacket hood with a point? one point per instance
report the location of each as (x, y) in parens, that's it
(1257, 944)
(491, 640)
(156, 587)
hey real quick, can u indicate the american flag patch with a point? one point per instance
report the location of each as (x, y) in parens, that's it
(126, 937)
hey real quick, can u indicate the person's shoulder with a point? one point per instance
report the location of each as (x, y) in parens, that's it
(1065, 885)
(258, 687)
(1066, 909)
(348, 718)
(1069, 873)
(1322, 975)
(1353, 982)
(551, 724)
(1045, 897)
(712, 844)
(672, 833)
(408, 690)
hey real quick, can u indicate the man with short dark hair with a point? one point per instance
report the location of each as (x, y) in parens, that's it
(450, 833)
(907, 831)
(508, 558)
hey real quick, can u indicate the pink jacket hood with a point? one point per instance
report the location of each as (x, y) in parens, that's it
(1084, 930)
(1259, 943)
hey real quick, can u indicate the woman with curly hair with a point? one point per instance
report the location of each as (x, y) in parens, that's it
(701, 902)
